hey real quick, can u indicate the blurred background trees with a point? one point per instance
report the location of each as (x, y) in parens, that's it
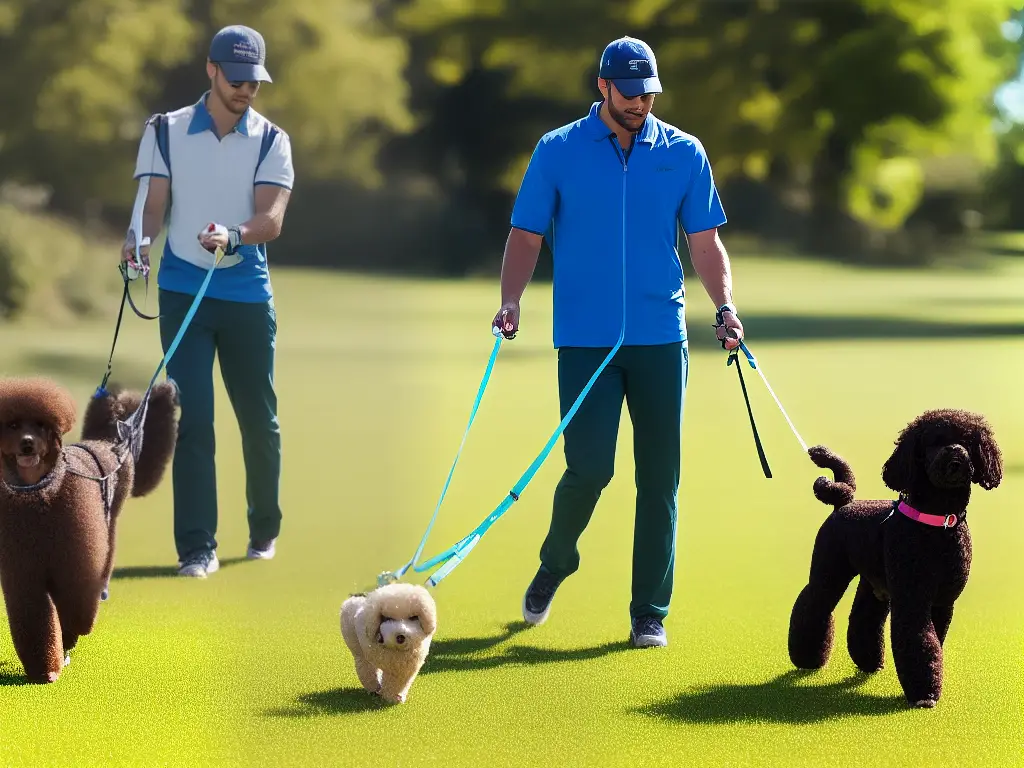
(878, 131)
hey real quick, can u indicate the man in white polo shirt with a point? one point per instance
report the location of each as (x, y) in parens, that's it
(226, 173)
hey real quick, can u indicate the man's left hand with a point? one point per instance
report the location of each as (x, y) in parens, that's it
(214, 236)
(729, 330)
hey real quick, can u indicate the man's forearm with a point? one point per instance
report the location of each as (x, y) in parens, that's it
(711, 262)
(261, 228)
(152, 223)
(522, 250)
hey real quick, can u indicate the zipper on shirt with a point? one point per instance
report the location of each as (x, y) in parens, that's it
(621, 154)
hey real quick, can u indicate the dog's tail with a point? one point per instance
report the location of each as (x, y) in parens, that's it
(159, 436)
(159, 431)
(836, 492)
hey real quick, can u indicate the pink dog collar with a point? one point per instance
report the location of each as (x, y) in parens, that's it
(939, 521)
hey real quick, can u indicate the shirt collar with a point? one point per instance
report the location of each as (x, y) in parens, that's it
(203, 121)
(601, 131)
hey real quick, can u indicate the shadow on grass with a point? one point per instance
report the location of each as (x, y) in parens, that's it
(160, 571)
(337, 701)
(11, 675)
(456, 655)
(468, 654)
(776, 701)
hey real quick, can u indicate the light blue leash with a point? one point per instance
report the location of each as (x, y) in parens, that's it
(450, 558)
(394, 576)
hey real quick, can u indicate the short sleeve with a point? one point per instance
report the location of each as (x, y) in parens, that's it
(276, 167)
(701, 208)
(535, 202)
(150, 162)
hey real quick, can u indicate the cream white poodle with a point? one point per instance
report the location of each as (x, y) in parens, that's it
(389, 631)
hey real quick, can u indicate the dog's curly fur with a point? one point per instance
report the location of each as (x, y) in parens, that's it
(56, 541)
(388, 632)
(915, 570)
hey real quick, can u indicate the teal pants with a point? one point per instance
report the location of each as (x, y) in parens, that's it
(652, 380)
(243, 337)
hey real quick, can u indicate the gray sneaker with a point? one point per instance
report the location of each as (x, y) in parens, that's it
(538, 597)
(261, 550)
(199, 564)
(647, 632)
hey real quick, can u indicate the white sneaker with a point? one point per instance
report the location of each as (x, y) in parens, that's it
(264, 552)
(199, 565)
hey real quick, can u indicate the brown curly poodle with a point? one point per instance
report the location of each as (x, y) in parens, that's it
(912, 556)
(59, 506)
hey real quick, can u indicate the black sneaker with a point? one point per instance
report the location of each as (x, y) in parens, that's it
(199, 565)
(537, 601)
(647, 632)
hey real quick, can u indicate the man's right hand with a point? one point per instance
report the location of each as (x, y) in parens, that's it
(507, 319)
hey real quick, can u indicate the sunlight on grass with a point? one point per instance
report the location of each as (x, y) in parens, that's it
(376, 379)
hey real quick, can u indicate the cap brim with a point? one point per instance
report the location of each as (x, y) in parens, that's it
(638, 86)
(244, 73)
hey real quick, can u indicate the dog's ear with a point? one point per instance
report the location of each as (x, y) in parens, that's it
(368, 621)
(425, 610)
(900, 470)
(987, 460)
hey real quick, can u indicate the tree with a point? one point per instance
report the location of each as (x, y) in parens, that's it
(845, 102)
(81, 77)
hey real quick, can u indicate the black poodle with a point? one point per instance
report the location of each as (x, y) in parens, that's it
(912, 555)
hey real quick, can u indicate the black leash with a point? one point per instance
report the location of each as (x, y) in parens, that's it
(734, 358)
(126, 297)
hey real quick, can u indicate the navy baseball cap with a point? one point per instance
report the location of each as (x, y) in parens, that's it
(630, 64)
(241, 53)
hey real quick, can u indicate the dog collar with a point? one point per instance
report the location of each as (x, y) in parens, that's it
(937, 521)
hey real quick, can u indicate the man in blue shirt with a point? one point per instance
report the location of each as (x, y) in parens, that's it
(226, 173)
(610, 192)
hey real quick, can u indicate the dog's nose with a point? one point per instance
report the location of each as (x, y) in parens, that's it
(27, 445)
(399, 639)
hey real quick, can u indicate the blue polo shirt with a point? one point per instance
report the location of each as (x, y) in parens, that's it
(593, 202)
(214, 178)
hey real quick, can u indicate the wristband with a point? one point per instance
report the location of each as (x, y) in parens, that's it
(234, 240)
(725, 308)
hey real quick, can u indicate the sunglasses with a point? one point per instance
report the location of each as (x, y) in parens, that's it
(238, 84)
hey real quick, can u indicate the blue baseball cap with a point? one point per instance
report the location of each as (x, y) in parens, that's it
(630, 64)
(240, 52)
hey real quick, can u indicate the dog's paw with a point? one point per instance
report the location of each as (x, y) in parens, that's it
(925, 704)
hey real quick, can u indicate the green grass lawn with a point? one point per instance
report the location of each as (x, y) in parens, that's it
(376, 379)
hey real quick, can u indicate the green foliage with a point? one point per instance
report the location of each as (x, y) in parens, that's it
(850, 98)
(79, 85)
(52, 268)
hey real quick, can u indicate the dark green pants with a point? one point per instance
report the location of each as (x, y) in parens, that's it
(652, 380)
(243, 337)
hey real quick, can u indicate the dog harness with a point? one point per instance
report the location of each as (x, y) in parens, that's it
(936, 521)
(106, 486)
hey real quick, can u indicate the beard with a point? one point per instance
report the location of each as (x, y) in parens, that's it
(627, 121)
(229, 102)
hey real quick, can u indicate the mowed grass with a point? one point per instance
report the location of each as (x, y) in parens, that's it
(376, 379)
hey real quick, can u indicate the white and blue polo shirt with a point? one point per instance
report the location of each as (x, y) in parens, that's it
(595, 204)
(214, 179)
